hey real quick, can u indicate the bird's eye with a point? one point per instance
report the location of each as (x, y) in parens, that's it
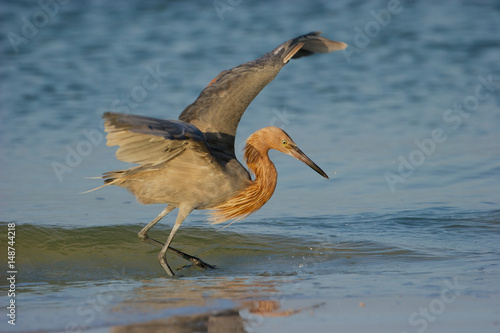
(284, 143)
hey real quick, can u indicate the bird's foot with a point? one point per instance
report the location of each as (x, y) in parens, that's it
(198, 263)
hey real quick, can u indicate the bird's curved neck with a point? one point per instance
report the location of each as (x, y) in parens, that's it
(264, 170)
(257, 192)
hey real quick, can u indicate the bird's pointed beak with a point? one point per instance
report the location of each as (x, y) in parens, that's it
(298, 154)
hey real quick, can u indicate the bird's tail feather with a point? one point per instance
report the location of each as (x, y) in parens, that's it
(97, 188)
(109, 179)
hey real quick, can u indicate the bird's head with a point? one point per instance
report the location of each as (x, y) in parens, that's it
(276, 138)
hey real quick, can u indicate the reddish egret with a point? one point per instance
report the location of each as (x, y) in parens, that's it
(190, 163)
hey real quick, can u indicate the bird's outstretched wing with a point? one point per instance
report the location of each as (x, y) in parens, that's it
(151, 141)
(218, 109)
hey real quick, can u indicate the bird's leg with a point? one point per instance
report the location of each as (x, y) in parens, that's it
(181, 216)
(143, 236)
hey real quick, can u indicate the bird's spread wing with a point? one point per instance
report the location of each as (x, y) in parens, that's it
(151, 141)
(219, 107)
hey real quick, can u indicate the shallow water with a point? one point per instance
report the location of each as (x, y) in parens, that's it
(408, 222)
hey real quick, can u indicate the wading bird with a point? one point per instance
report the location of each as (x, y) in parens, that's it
(190, 163)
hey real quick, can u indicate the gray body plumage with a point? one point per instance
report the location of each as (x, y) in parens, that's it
(177, 165)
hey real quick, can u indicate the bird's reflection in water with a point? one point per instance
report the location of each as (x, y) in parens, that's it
(249, 303)
(224, 321)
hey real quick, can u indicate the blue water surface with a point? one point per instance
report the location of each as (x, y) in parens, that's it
(405, 122)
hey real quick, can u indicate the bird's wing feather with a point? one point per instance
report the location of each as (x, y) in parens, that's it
(218, 109)
(151, 141)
